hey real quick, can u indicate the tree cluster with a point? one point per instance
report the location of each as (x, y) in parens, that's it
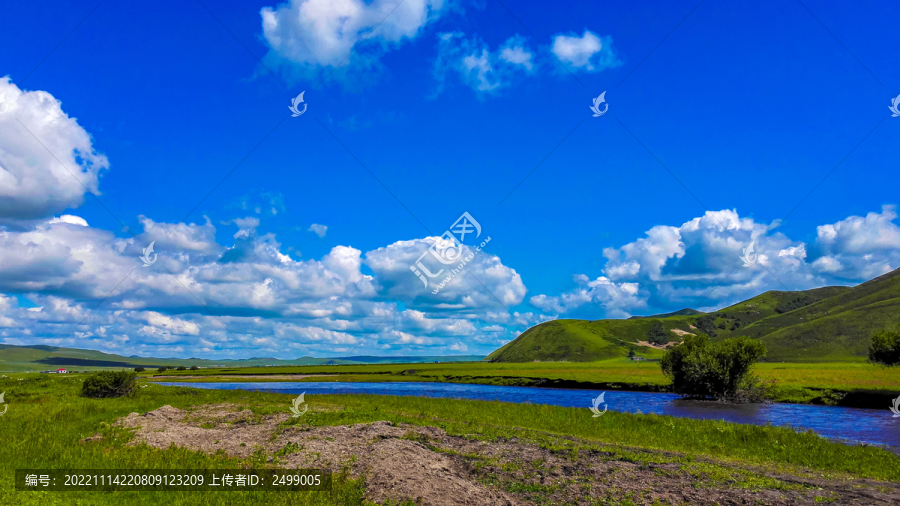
(885, 348)
(721, 371)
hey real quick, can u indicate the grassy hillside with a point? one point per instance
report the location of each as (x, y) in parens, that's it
(838, 327)
(681, 312)
(832, 323)
(40, 358)
(588, 341)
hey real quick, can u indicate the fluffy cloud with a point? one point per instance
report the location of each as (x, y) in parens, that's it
(319, 230)
(617, 299)
(589, 52)
(316, 34)
(859, 247)
(483, 279)
(488, 72)
(680, 265)
(47, 160)
(477, 66)
(267, 301)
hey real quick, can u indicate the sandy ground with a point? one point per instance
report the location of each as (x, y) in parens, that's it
(428, 466)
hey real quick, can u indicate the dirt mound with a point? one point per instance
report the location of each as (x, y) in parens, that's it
(429, 466)
(210, 429)
(395, 468)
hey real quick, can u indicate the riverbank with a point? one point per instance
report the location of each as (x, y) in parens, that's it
(851, 425)
(524, 454)
(850, 384)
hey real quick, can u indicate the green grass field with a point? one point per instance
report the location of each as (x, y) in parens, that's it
(46, 421)
(828, 383)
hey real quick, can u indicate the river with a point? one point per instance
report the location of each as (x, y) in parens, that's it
(852, 425)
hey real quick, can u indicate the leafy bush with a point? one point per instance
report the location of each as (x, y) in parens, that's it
(109, 384)
(719, 371)
(180, 368)
(139, 369)
(795, 303)
(885, 349)
(658, 335)
(707, 324)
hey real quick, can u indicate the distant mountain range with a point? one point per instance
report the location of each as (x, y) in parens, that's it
(834, 323)
(40, 357)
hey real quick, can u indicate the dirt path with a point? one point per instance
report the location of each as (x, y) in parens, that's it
(429, 466)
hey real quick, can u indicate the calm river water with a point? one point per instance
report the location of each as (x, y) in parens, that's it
(873, 426)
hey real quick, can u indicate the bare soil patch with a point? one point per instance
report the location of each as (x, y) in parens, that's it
(429, 466)
(657, 346)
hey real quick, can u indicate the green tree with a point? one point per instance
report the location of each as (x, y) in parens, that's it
(719, 370)
(658, 335)
(180, 368)
(195, 368)
(109, 384)
(139, 369)
(885, 349)
(162, 369)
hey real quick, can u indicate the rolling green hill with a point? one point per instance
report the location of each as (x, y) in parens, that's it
(833, 323)
(40, 358)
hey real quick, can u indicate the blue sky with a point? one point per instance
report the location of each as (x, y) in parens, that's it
(721, 120)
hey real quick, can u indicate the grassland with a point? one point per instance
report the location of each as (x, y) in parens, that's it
(47, 421)
(856, 384)
(36, 358)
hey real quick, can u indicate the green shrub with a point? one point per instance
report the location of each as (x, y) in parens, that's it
(195, 368)
(796, 303)
(139, 369)
(658, 335)
(885, 349)
(719, 371)
(707, 323)
(109, 384)
(180, 368)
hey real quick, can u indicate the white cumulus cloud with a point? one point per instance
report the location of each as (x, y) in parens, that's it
(319, 230)
(34, 133)
(317, 34)
(589, 52)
